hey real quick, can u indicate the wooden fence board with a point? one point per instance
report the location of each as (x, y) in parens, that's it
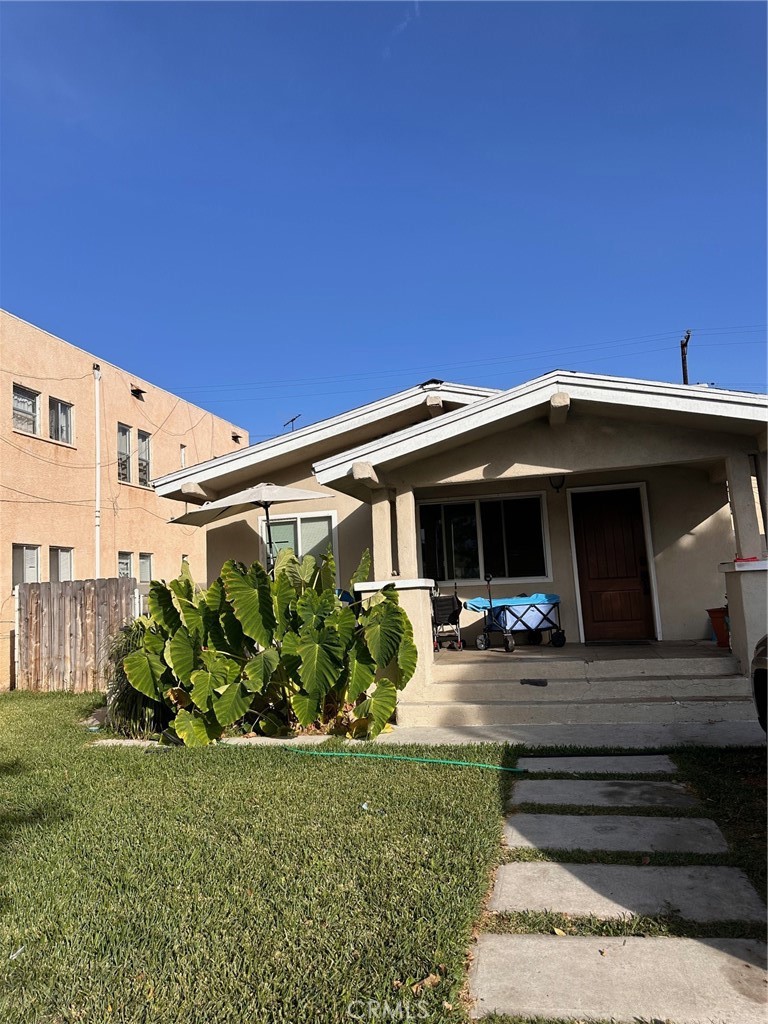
(62, 632)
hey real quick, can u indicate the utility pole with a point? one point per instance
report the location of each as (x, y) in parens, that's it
(292, 421)
(684, 355)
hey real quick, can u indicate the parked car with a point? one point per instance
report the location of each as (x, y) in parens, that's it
(759, 673)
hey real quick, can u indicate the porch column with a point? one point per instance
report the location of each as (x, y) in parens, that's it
(746, 588)
(381, 524)
(407, 558)
(742, 498)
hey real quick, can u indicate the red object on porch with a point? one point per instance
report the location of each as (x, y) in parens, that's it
(717, 618)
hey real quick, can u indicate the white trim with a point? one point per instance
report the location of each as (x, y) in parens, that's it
(582, 387)
(649, 553)
(476, 499)
(261, 524)
(308, 436)
(396, 584)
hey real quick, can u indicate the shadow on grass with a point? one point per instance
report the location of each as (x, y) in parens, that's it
(13, 767)
(43, 815)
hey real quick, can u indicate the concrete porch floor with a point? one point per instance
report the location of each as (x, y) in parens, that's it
(656, 649)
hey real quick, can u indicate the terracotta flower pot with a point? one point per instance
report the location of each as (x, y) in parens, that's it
(717, 616)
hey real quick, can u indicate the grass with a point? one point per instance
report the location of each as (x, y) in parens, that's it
(249, 884)
(231, 884)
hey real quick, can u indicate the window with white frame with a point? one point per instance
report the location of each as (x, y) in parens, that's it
(145, 567)
(465, 540)
(26, 564)
(144, 474)
(60, 420)
(304, 534)
(123, 453)
(60, 565)
(125, 564)
(26, 410)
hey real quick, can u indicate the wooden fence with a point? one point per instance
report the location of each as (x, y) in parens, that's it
(62, 630)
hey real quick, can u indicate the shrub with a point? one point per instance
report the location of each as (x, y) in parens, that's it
(272, 652)
(129, 711)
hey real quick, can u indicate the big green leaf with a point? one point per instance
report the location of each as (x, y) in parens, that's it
(383, 702)
(383, 632)
(231, 703)
(344, 622)
(181, 589)
(191, 614)
(287, 564)
(218, 673)
(360, 671)
(407, 653)
(306, 708)
(214, 596)
(320, 666)
(182, 652)
(251, 597)
(145, 672)
(363, 572)
(162, 608)
(328, 570)
(307, 569)
(259, 670)
(283, 598)
(194, 730)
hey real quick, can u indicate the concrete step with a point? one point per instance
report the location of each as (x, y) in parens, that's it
(690, 981)
(535, 689)
(455, 666)
(602, 793)
(625, 832)
(639, 764)
(645, 712)
(612, 890)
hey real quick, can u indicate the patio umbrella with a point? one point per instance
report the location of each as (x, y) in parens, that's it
(260, 496)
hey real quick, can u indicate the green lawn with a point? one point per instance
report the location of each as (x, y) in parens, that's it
(230, 884)
(249, 884)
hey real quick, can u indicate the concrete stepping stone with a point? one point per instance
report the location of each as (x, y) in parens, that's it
(639, 764)
(614, 832)
(602, 793)
(611, 890)
(689, 981)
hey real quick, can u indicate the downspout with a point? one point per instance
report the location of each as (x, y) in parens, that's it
(97, 486)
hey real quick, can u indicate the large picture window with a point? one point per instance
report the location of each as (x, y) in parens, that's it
(465, 540)
(303, 534)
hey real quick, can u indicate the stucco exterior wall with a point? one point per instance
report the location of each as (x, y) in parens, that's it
(48, 488)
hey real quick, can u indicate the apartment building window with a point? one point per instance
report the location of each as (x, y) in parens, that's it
(26, 410)
(26, 563)
(145, 567)
(60, 565)
(60, 420)
(144, 474)
(183, 456)
(123, 453)
(125, 564)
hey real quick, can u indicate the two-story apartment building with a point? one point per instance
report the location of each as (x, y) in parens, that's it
(80, 442)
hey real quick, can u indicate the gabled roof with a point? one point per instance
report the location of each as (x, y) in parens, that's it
(388, 414)
(738, 411)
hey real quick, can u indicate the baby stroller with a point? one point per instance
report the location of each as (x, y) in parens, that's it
(446, 628)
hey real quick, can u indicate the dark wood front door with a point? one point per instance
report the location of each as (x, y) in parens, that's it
(614, 582)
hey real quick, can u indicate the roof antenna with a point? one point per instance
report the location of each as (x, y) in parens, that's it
(684, 355)
(292, 421)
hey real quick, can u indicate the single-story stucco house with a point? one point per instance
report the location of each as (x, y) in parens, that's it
(641, 503)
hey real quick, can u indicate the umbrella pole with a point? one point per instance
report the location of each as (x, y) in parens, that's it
(270, 549)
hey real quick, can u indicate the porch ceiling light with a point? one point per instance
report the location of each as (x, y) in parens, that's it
(557, 482)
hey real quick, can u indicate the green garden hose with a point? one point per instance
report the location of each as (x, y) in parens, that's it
(401, 757)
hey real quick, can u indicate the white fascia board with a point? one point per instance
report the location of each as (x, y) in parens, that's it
(621, 391)
(282, 444)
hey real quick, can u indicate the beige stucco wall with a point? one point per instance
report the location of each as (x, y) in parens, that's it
(48, 489)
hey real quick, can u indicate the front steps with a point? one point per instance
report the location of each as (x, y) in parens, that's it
(493, 688)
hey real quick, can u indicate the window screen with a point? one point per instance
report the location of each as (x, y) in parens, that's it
(26, 564)
(60, 565)
(25, 410)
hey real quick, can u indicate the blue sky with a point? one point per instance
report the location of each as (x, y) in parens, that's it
(281, 209)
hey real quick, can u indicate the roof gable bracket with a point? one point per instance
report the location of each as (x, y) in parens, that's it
(559, 407)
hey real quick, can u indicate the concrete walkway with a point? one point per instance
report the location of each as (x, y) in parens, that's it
(618, 978)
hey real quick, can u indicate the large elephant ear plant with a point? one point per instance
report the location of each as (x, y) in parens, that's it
(273, 653)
